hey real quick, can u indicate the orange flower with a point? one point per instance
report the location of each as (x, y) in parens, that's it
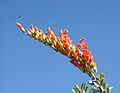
(79, 55)
(20, 26)
(49, 31)
(74, 54)
(85, 52)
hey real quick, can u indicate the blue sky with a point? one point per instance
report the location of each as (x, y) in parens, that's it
(27, 66)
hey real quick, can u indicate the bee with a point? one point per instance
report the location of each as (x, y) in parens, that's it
(19, 16)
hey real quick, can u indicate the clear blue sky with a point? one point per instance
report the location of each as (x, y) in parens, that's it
(27, 66)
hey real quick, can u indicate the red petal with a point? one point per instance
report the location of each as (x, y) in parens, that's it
(19, 25)
(79, 46)
(61, 34)
(49, 31)
(81, 40)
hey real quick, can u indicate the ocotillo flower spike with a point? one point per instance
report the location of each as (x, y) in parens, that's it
(79, 55)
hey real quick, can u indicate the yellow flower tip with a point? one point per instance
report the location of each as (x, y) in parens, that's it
(95, 68)
(28, 32)
(61, 33)
(49, 30)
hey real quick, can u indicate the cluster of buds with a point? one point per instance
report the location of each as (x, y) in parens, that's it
(79, 55)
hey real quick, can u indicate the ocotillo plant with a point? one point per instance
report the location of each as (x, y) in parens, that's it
(79, 56)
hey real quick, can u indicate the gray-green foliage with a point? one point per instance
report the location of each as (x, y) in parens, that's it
(80, 89)
(98, 86)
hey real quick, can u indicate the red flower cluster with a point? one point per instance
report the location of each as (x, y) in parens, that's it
(79, 55)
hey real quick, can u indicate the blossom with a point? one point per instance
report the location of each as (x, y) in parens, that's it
(20, 26)
(79, 55)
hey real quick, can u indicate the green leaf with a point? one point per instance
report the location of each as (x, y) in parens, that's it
(108, 91)
(95, 69)
(94, 90)
(110, 88)
(96, 84)
(101, 77)
(76, 86)
(73, 91)
(105, 85)
(90, 82)
(86, 89)
(101, 81)
(82, 87)
(104, 91)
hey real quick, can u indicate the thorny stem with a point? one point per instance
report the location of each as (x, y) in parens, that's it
(94, 78)
(93, 75)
